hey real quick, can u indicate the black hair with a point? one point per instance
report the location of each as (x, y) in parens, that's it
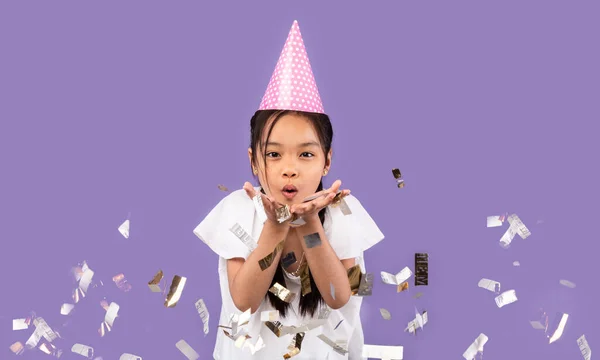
(309, 303)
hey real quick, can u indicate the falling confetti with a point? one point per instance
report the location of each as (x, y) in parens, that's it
(124, 229)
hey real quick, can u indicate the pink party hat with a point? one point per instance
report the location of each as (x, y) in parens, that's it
(292, 85)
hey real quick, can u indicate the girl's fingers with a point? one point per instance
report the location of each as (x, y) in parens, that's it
(249, 190)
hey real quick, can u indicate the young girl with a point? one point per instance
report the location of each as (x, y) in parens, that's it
(288, 233)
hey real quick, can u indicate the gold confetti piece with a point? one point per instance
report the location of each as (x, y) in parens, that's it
(421, 269)
(507, 297)
(111, 314)
(337, 199)
(175, 291)
(282, 293)
(154, 283)
(398, 176)
(494, 221)
(269, 316)
(559, 326)
(283, 214)
(584, 347)
(354, 276)
(489, 285)
(121, 282)
(203, 312)
(295, 346)
(476, 347)
(222, 188)
(276, 327)
(518, 225)
(305, 279)
(129, 357)
(385, 314)
(383, 352)
(516, 263)
(418, 295)
(124, 229)
(567, 283)
(17, 348)
(66, 309)
(397, 279)
(187, 350)
(336, 347)
(267, 261)
(84, 350)
(20, 324)
(403, 286)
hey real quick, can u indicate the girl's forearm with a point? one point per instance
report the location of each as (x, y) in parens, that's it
(325, 267)
(251, 283)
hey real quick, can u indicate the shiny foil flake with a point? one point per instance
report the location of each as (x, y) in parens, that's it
(111, 314)
(267, 261)
(45, 329)
(78, 294)
(494, 221)
(222, 188)
(295, 346)
(476, 347)
(154, 284)
(507, 297)
(257, 346)
(520, 228)
(558, 327)
(20, 324)
(421, 269)
(584, 347)
(418, 323)
(397, 279)
(260, 208)
(366, 285)
(83, 350)
(66, 309)
(312, 240)
(49, 349)
(516, 263)
(17, 348)
(508, 237)
(383, 352)
(567, 283)
(335, 346)
(283, 214)
(272, 315)
(288, 260)
(127, 356)
(86, 280)
(282, 293)
(403, 287)
(385, 314)
(203, 312)
(241, 234)
(177, 286)
(121, 282)
(489, 285)
(537, 325)
(124, 229)
(276, 327)
(104, 329)
(187, 350)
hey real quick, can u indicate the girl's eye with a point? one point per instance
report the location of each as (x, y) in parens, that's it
(307, 154)
(272, 154)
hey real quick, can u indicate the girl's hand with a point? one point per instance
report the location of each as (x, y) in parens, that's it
(269, 204)
(311, 208)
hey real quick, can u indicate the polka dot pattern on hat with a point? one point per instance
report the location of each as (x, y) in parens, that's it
(292, 85)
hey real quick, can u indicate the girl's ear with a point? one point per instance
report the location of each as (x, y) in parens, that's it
(328, 159)
(250, 159)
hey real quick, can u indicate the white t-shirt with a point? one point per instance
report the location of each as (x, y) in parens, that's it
(349, 236)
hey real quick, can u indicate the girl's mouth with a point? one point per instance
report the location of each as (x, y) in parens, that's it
(289, 191)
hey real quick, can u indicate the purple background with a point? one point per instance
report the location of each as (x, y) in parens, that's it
(111, 108)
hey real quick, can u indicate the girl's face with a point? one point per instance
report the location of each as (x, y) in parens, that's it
(295, 160)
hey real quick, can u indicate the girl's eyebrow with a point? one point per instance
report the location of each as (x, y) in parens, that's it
(304, 144)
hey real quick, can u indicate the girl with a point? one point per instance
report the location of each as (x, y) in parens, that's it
(288, 234)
